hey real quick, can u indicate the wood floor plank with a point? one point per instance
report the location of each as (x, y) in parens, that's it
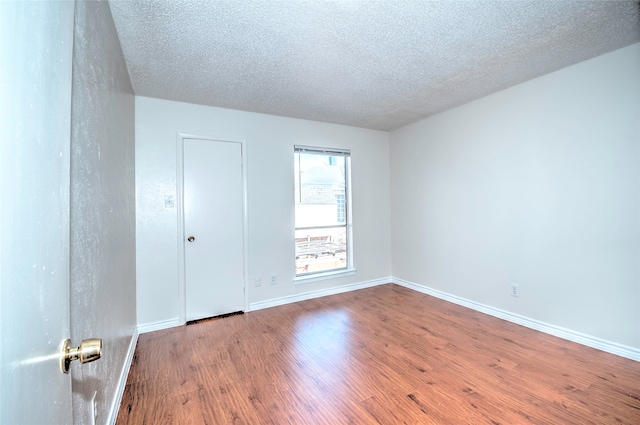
(382, 355)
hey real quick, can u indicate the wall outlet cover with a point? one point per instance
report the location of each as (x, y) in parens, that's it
(93, 409)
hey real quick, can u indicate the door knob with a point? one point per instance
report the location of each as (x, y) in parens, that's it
(88, 351)
(191, 238)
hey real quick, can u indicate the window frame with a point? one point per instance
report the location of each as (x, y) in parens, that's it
(347, 225)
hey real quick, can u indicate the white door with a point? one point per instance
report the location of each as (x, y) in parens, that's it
(213, 228)
(36, 40)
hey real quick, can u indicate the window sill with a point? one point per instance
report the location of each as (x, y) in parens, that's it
(323, 276)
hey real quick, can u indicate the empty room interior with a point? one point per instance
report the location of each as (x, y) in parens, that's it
(321, 212)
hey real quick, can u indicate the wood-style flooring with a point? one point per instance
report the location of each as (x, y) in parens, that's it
(383, 355)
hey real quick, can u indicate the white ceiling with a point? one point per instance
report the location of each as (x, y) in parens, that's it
(365, 63)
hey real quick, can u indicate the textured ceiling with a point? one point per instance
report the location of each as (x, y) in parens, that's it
(373, 64)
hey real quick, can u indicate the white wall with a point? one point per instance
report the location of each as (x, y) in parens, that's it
(270, 142)
(537, 185)
(102, 208)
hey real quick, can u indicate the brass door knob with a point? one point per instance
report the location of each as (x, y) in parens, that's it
(191, 238)
(88, 351)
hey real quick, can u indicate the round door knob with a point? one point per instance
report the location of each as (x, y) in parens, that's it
(191, 238)
(88, 351)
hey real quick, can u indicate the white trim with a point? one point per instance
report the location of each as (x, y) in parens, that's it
(180, 138)
(348, 208)
(322, 151)
(158, 326)
(314, 277)
(182, 302)
(245, 221)
(580, 338)
(274, 302)
(122, 381)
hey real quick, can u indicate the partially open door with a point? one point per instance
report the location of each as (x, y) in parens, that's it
(36, 40)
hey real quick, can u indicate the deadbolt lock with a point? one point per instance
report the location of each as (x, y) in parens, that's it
(88, 351)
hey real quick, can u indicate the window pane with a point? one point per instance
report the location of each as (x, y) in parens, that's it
(342, 212)
(321, 210)
(319, 190)
(319, 250)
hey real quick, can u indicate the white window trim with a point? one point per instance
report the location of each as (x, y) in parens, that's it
(351, 269)
(315, 277)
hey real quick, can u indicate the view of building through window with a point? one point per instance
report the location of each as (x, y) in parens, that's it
(321, 210)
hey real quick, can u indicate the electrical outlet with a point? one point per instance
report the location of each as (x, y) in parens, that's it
(274, 279)
(257, 281)
(515, 290)
(93, 409)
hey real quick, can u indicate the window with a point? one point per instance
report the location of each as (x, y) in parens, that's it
(323, 228)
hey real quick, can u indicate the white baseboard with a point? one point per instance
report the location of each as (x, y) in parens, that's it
(157, 326)
(165, 324)
(316, 294)
(580, 338)
(122, 381)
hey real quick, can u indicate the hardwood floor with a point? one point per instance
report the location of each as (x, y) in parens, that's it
(384, 355)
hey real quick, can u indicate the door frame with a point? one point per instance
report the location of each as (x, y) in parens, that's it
(182, 281)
